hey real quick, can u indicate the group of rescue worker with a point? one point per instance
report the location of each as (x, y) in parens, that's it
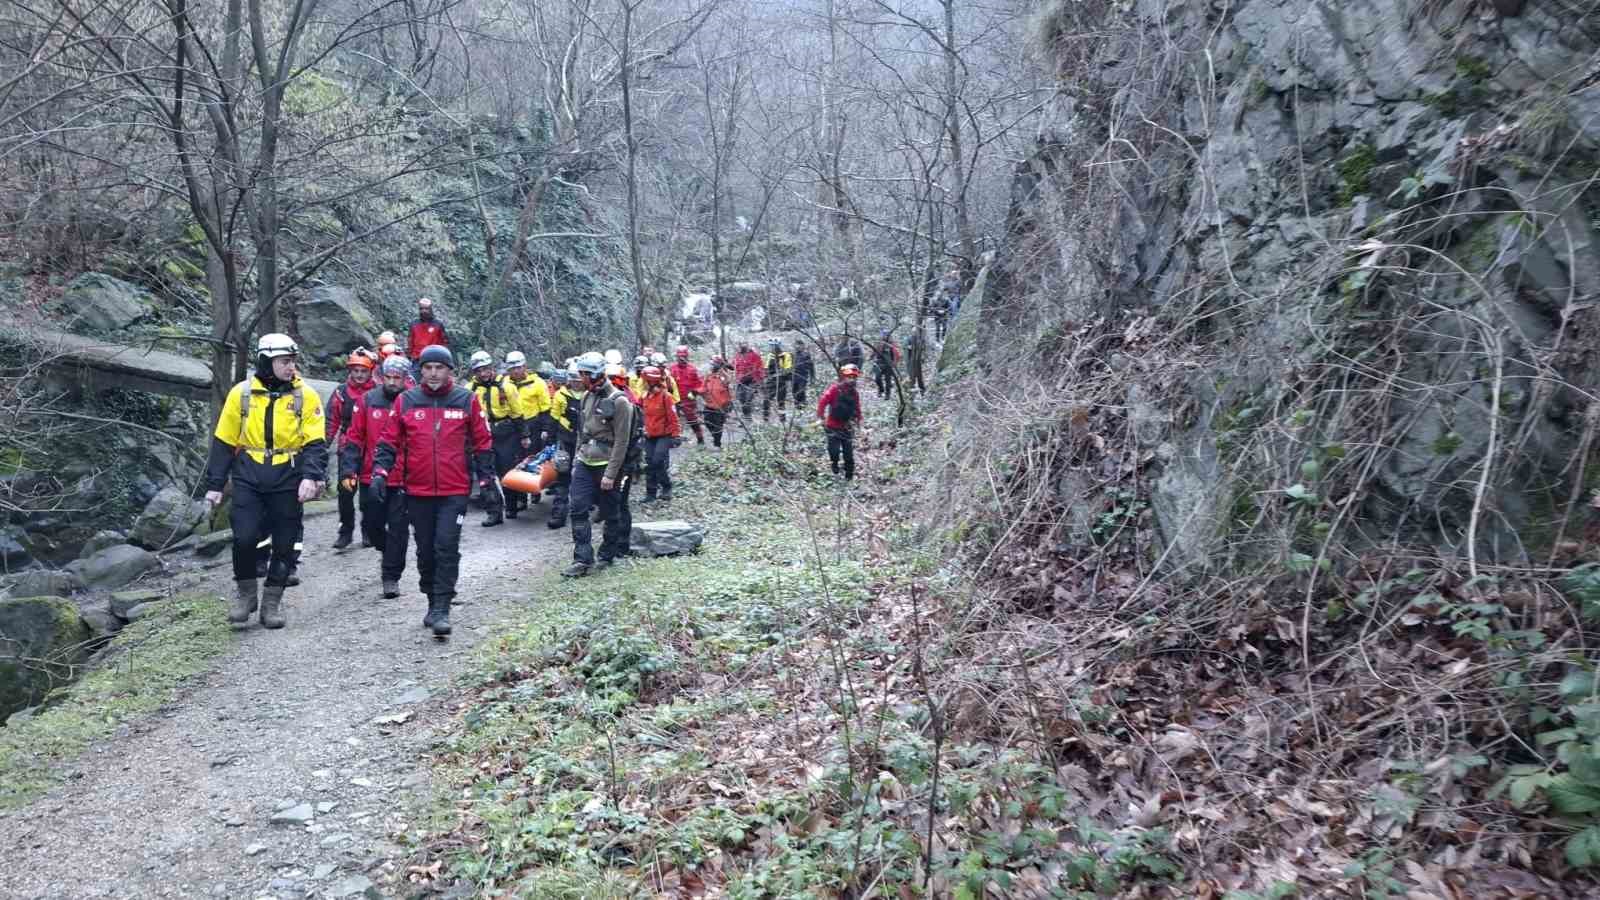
(408, 441)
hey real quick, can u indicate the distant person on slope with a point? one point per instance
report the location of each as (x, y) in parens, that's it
(271, 440)
(383, 519)
(690, 384)
(805, 372)
(885, 358)
(343, 406)
(839, 411)
(661, 434)
(718, 389)
(503, 404)
(425, 332)
(439, 431)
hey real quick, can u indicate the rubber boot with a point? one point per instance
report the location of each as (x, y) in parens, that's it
(244, 601)
(433, 613)
(271, 606)
(493, 518)
(439, 608)
(391, 589)
(576, 570)
(342, 541)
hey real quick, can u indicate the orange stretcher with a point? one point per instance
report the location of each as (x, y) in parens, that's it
(520, 479)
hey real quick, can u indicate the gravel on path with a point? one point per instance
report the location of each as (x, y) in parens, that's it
(289, 770)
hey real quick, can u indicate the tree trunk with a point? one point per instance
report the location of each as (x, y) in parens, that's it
(952, 69)
(633, 181)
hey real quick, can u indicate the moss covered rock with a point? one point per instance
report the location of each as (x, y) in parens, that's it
(43, 642)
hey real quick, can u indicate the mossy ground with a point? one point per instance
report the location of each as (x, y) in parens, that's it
(143, 669)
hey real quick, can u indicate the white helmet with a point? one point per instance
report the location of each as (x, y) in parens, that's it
(613, 357)
(658, 359)
(480, 359)
(641, 361)
(515, 358)
(591, 364)
(275, 345)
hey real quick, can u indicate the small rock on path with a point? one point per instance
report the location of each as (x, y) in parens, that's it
(293, 713)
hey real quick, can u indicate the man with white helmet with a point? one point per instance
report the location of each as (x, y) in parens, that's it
(605, 432)
(270, 441)
(534, 397)
(502, 403)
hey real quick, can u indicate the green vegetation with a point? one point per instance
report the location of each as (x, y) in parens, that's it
(142, 669)
(1355, 172)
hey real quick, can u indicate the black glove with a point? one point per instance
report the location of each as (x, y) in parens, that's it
(677, 442)
(379, 488)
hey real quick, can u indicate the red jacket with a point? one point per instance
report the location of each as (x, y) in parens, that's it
(825, 405)
(748, 367)
(688, 379)
(342, 407)
(660, 416)
(361, 441)
(425, 334)
(442, 436)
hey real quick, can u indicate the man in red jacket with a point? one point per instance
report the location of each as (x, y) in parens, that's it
(839, 411)
(748, 372)
(383, 522)
(426, 332)
(439, 429)
(690, 387)
(342, 409)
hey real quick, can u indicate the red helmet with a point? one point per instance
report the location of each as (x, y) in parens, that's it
(850, 370)
(651, 375)
(718, 361)
(388, 350)
(682, 352)
(361, 358)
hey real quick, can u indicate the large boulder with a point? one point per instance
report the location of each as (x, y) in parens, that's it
(668, 538)
(332, 321)
(42, 583)
(13, 552)
(43, 641)
(114, 567)
(96, 304)
(168, 518)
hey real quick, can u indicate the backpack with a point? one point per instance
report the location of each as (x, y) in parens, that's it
(633, 462)
(296, 404)
(844, 407)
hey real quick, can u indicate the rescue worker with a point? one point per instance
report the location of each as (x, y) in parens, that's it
(547, 371)
(636, 380)
(383, 519)
(748, 373)
(780, 371)
(885, 358)
(839, 411)
(564, 409)
(439, 431)
(719, 397)
(605, 424)
(848, 351)
(661, 431)
(660, 362)
(503, 405)
(386, 339)
(534, 398)
(805, 371)
(427, 331)
(271, 440)
(618, 376)
(689, 383)
(343, 407)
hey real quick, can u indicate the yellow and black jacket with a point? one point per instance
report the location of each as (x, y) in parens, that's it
(276, 441)
(502, 405)
(534, 396)
(564, 409)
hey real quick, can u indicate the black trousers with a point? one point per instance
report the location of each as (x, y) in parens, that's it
(613, 504)
(508, 451)
(747, 399)
(842, 446)
(437, 523)
(715, 420)
(274, 514)
(562, 491)
(883, 376)
(385, 527)
(658, 465)
(800, 393)
(347, 511)
(776, 386)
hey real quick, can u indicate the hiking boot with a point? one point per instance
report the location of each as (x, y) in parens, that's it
(244, 602)
(342, 541)
(511, 513)
(271, 606)
(603, 564)
(391, 589)
(294, 581)
(553, 524)
(492, 519)
(666, 496)
(433, 614)
(365, 543)
(533, 499)
(439, 609)
(576, 570)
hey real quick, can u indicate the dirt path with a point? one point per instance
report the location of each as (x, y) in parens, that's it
(181, 805)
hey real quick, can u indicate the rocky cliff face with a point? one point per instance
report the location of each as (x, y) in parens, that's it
(1329, 265)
